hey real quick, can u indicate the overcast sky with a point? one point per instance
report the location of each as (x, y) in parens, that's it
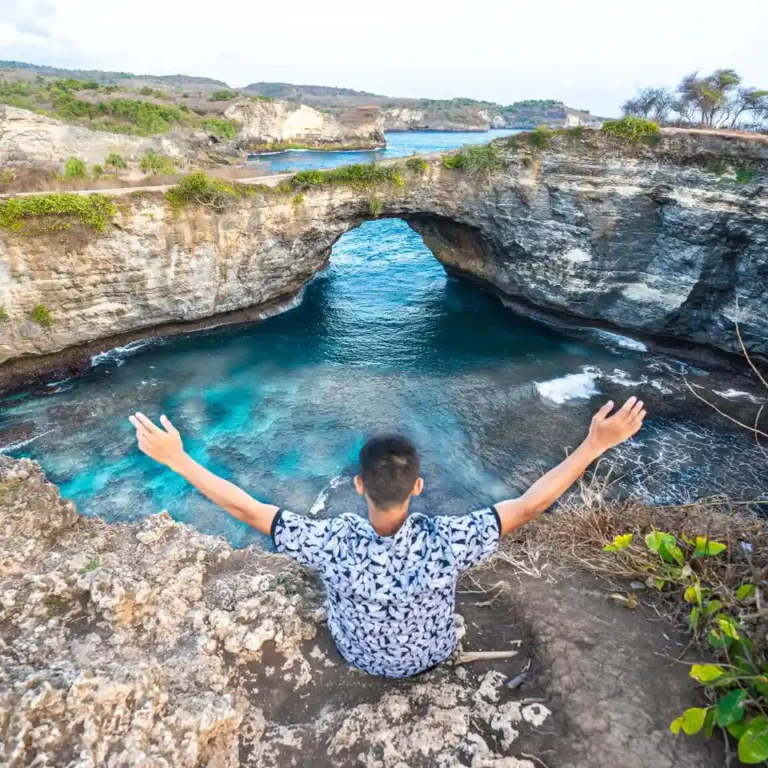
(591, 54)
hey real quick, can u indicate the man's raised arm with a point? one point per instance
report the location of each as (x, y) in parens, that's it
(163, 444)
(605, 432)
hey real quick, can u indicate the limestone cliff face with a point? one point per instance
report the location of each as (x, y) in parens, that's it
(272, 122)
(413, 119)
(642, 238)
(27, 138)
(469, 118)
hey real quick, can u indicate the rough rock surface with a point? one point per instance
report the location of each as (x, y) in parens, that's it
(414, 118)
(269, 122)
(643, 238)
(153, 645)
(27, 138)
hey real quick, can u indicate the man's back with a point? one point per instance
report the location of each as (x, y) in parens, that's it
(390, 599)
(391, 583)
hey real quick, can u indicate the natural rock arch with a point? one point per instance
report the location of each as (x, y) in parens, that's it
(640, 238)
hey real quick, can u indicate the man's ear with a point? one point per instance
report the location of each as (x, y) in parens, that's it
(418, 487)
(359, 487)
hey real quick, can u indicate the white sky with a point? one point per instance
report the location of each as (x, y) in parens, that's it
(592, 54)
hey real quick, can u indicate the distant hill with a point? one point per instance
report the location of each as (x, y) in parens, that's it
(21, 86)
(303, 93)
(108, 78)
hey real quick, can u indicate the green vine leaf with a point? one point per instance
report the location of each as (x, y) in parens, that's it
(730, 709)
(745, 591)
(705, 547)
(753, 744)
(691, 721)
(706, 673)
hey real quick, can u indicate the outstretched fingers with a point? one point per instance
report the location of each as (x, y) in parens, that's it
(166, 422)
(604, 411)
(145, 422)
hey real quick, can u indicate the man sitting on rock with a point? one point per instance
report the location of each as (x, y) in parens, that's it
(391, 579)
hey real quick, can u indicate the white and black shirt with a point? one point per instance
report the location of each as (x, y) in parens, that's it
(390, 598)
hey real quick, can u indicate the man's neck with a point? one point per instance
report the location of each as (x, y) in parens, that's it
(388, 522)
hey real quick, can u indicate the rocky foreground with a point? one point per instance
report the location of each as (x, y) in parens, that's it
(152, 645)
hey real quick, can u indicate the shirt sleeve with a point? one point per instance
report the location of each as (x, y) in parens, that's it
(472, 538)
(309, 542)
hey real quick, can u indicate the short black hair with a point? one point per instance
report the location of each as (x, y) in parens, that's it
(389, 468)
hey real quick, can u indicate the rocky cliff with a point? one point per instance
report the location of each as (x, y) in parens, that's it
(670, 239)
(27, 138)
(150, 644)
(265, 123)
(483, 118)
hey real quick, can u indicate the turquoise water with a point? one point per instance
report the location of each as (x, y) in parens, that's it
(398, 145)
(381, 340)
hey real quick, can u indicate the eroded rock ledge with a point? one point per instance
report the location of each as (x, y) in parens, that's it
(151, 645)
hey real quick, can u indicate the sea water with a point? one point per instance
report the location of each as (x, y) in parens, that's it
(382, 340)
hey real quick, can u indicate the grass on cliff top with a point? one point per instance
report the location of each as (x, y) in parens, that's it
(479, 158)
(283, 146)
(56, 212)
(633, 130)
(359, 175)
(200, 189)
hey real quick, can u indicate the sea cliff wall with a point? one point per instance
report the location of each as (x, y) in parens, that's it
(670, 240)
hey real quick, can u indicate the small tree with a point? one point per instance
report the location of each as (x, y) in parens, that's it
(161, 165)
(710, 94)
(75, 168)
(113, 160)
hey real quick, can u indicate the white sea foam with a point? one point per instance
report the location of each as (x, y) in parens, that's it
(22, 443)
(733, 393)
(623, 341)
(118, 354)
(623, 379)
(284, 307)
(322, 498)
(574, 386)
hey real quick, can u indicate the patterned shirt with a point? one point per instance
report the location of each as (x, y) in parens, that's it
(390, 599)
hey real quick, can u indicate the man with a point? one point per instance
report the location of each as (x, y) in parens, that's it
(391, 579)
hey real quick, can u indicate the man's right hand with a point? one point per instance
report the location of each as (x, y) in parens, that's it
(608, 431)
(162, 445)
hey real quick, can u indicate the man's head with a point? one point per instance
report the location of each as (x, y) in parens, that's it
(389, 471)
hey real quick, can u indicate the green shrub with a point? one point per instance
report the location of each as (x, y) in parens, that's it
(159, 165)
(224, 129)
(574, 134)
(484, 158)
(223, 95)
(719, 613)
(480, 158)
(113, 160)
(454, 162)
(42, 316)
(94, 211)
(718, 168)
(298, 199)
(200, 189)
(310, 178)
(632, 129)
(75, 168)
(745, 176)
(541, 138)
(3, 314)
(97, 170)
(375, 206)
(357, 175)
(417, 164)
